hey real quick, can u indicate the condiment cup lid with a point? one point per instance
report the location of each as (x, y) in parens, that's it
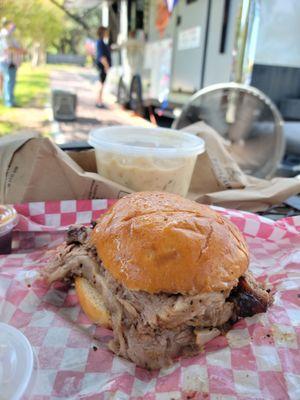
(16, 363)
(138, 141)
(8, 219)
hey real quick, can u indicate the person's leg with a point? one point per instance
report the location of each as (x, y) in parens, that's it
(100, 93)
(12, 83)
(102, 77)
(1, 77)
(1, 82)
(6, 84)
(9, 85)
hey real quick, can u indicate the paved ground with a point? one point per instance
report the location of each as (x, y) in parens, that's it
(83, 82)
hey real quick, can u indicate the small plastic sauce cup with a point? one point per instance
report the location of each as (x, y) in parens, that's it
(17, 364)
(147, 158)
(8, 220)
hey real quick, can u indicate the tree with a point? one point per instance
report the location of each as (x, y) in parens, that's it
(40, 24)
(48, 25)
(71, 15)
(80, 23)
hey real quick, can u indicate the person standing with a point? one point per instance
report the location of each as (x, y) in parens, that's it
(103, 61)
(2, 33)
(10, 59)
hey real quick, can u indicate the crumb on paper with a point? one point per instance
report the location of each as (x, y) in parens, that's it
(194, 395)
(284, 335)
(238, 338)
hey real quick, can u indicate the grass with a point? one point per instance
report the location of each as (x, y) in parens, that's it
(31, 93)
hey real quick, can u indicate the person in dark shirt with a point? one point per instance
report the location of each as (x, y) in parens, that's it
(103, 61)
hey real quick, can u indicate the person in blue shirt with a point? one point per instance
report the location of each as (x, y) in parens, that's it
(103, 60)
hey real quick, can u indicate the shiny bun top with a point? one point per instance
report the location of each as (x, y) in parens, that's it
(161, 242)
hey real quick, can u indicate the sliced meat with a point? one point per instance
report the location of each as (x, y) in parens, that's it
(77, 234)
(249, 297)
(74, 255)
(154, 349)
(151, 329)
(205, 335)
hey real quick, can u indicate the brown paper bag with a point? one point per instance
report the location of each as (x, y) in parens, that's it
(217, 178)
(35, 169)
(215, 170)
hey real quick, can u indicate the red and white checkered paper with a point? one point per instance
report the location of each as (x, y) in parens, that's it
(258, 359)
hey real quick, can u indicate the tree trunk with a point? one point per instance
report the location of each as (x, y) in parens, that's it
(38, 55)
(35, 60)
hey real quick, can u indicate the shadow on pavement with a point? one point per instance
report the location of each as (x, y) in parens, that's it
(82, 126)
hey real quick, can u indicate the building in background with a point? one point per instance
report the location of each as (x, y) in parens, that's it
(277, 59)
(164, 51)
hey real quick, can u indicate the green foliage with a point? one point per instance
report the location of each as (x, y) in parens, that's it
(74, 35)
(44, 23)
(38, 21)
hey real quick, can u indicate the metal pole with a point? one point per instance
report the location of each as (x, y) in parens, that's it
(245, 41)
(243, 56)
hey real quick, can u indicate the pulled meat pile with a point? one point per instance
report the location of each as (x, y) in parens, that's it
(152, 329)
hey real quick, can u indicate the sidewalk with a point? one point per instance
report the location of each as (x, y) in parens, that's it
(83, 82)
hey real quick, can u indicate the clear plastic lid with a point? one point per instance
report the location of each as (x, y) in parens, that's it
(8, 219)
(137, 141)
(16, 363)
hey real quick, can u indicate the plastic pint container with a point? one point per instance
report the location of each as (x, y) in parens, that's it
(8, 220)
(16, 364)
(146, 158)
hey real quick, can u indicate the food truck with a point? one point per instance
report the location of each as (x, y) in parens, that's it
(165, 51)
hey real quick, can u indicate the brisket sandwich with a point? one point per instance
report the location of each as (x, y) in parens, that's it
(164, 273)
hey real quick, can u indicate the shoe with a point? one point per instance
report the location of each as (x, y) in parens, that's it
(102, 106)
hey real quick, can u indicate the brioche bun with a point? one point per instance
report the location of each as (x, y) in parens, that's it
(92, 303)
(161, 242)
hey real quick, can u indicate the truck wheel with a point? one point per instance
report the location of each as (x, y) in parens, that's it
(122, 97)
(136, 98)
